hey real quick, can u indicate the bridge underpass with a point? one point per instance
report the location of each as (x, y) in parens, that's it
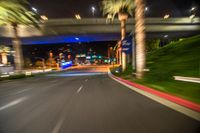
(90, 30)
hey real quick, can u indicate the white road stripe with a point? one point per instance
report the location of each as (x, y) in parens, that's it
(15, 102)
(58, 126)
(56, 129)
(22, 91)
(79, 89)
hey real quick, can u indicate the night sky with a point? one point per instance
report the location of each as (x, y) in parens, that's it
(68, 8)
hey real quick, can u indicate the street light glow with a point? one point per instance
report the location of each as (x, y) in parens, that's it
(93, 10)
(146, 8)
(165, 36)
(43, 17)
(193, 8)
(34, 9)
(77, 16)
(77, 38)
(166, 16)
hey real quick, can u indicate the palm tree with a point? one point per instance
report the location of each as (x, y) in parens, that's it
(140, 39)
(15, 13)
(122, 8)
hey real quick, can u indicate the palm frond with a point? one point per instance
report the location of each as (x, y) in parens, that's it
(113, 7)
(17, 12)
(4, 49)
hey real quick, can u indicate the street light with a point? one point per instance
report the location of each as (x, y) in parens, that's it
(166, 16)
(77, 16)
(43, 17)
(34, 9)
(93, 10)
(192, 9)
(165, 36)
(146, 9)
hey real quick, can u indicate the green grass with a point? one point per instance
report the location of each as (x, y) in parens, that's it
(16, 76)
(180, 58)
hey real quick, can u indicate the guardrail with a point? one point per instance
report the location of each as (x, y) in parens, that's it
(187, 79)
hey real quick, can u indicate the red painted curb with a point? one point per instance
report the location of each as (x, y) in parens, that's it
(172, 98)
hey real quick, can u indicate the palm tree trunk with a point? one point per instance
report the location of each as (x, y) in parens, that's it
(140, 39)
(123, 35)
(19, 63)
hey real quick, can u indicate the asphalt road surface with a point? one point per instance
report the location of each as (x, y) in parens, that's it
(84, 101)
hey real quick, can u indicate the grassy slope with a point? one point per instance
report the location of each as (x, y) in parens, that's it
(180, 58)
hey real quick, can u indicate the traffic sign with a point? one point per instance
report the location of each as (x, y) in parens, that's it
(127, 45)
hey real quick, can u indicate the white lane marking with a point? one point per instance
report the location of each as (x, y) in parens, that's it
(80, 88)
(58, 126)
(188, 112)
(22, 91)
(86, 80)
(15, 102)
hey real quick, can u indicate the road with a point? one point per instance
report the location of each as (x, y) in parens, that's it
(84, 101)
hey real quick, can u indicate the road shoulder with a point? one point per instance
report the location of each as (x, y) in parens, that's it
(190, 112)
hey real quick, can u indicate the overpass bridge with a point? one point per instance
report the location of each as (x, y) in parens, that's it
(97, 29)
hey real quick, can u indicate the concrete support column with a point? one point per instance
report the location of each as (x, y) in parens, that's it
(133, 55)
(123, 61)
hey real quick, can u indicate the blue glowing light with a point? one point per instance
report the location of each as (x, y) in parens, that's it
(88, 57)
(68, 39)
(65, 65)
(77, 38)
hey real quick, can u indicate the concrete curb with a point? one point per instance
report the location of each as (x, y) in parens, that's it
(181, 105)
